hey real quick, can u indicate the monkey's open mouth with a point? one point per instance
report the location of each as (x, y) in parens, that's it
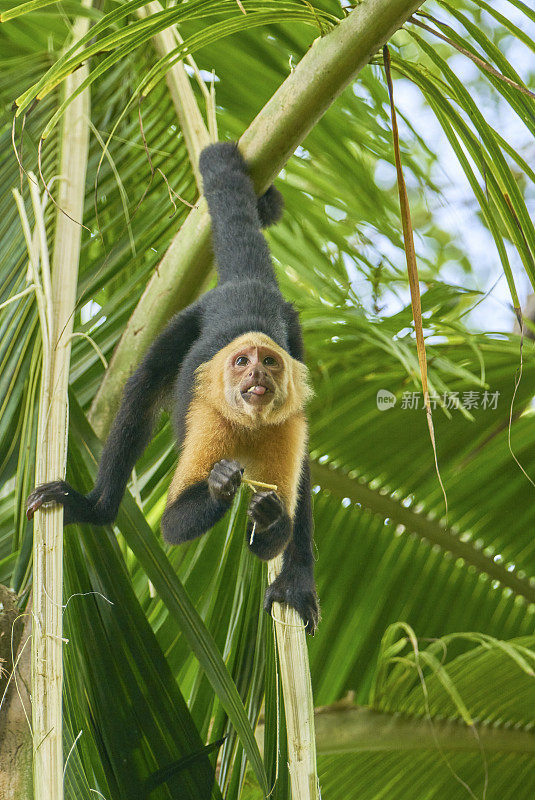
(257, 393)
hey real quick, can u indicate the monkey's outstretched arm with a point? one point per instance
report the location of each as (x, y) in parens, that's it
(130, 431)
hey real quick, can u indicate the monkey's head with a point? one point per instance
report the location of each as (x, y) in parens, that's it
(252, 381)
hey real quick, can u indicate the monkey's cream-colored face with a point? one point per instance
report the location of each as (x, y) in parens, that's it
(253, 381)
(255, 375)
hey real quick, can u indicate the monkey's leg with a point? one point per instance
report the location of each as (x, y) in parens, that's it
(295, 584)
(198, 507)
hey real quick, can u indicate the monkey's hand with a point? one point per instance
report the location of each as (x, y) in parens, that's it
(269, 527)
(265, 509)
(295, 587)
(224, 480)
(77, 507)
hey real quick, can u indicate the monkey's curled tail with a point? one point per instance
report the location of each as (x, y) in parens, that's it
(237, 214)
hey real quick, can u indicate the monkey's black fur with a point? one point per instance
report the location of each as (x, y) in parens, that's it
(247, 298)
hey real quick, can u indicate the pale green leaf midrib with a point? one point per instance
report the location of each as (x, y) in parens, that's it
(389, 508)
(361, 729)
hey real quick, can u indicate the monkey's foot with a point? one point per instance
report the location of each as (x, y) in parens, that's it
(46, 493)
(224, 479)
(295, 588)
(76, 507)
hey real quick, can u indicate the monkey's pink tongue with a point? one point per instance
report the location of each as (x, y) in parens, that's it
(258, 390)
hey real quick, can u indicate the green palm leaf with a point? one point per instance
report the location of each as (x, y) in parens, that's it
(182, 659)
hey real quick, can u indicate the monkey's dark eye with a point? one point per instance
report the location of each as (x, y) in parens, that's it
(269, 361)
(242, 361)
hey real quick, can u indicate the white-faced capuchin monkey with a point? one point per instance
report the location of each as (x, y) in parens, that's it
(234, 360)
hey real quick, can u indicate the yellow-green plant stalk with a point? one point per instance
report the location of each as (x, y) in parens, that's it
(297, 693)
(47, 632)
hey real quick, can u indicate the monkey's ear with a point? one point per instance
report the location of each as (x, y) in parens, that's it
(301, 390)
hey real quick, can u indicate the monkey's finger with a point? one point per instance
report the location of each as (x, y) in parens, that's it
(223, 486)
(266, 500)
(305, 602)
(224, 479)
(265, 507)
(233, 474)
(310, 627)
(232, 480)
(313, 617)
(228, 470)
(230, 465)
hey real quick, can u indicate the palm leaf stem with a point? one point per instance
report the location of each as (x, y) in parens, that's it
(192, 125)
(47, 631)
(348, 728)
